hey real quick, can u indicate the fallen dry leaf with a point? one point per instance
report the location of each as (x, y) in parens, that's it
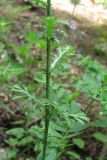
(74, 70)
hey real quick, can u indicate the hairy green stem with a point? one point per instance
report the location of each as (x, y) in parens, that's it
(47, 84)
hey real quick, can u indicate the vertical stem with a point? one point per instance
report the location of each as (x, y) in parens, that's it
(74, 10)
(47, 84)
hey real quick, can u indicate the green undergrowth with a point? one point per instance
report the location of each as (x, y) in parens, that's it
(78, 90)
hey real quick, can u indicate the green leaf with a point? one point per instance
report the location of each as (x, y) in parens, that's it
(11, 154)
(79, 127)
(50, 21)
(42, 44)
(18, 132)
(34, 3)
(80, 117)
(19, 122)
(41, 78)
(31, 37)
(26, 140)
(74, 155)
(75, 2)
(36, 131)
(62, 52)
(88, 158)
(24, 49)
(11, 69)
(24, 93)
(101, 122)
(101, 137)
(105, 78)
(79, 142)
(12, 142)
(51, 154)
(39, 157)
(71, 97)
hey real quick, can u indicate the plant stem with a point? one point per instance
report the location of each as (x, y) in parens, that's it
(47, 84)
(74, 10)
(88, 108)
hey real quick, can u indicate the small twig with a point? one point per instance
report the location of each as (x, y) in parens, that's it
(34, 122)
(88, 108)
